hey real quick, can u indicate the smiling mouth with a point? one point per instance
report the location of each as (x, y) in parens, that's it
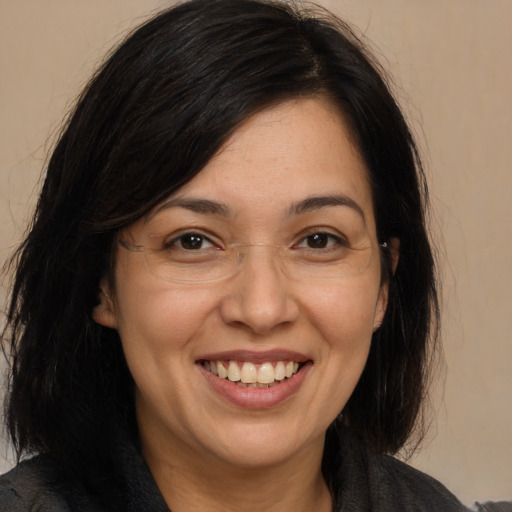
(252, 375)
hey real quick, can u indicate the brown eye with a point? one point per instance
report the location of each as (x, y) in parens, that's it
(318, 240)
(321, 240)
(190, 242)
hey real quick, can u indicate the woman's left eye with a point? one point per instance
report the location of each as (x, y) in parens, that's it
(320, 241)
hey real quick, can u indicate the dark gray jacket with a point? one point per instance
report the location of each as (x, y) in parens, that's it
(362, 481)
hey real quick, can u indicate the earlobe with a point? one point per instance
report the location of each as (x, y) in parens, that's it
(394, 252)
(382, 304)
(104, 312)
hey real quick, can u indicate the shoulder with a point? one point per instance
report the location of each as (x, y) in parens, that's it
(394, 480)
(368, 480)
(496, 506)
(38, 484)
(424, 490)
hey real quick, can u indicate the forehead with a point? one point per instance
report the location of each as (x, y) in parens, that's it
(282, 155)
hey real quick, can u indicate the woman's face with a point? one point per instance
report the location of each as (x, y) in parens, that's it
(289, 176)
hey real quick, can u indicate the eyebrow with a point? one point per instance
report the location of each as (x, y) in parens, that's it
(309, 204)
(203, 206)
(318, 202)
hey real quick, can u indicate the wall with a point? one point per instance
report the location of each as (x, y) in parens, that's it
(451, 63)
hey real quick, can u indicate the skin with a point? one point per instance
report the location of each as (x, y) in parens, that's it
(205, 452)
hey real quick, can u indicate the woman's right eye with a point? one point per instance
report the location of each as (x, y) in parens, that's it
(190, 242)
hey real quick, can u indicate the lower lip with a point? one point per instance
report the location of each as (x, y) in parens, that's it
(256, 398)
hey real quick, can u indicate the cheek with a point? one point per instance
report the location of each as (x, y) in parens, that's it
(344, 311)
(156, 319)
(343, 315)
(159, 327)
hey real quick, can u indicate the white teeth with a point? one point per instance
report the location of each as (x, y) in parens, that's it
(221, 370)
(280, 374)
(248, 374)
(233, 371)
(266, 373)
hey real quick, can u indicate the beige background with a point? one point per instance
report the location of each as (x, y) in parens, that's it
(452, 62)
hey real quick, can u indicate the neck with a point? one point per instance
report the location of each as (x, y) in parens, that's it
(205, 483)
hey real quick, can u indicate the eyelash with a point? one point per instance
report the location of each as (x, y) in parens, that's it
(173, 243)
(338, 241)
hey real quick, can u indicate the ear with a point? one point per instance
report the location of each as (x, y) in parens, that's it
(394, 252)
(104, 313)
(380, 309)
(393, 247)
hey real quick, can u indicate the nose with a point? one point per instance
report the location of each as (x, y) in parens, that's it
(259, 296)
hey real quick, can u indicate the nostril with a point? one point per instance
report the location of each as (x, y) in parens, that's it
(258, 299)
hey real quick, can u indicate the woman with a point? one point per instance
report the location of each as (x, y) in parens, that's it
(227, 297)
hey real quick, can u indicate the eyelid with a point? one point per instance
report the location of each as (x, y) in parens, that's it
(338, 241)
(170, 240)
(171, 236)
(322, 230)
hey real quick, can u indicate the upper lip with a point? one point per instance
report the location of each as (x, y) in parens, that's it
(256, 356)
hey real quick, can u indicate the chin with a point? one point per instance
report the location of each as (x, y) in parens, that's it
(266, 445)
